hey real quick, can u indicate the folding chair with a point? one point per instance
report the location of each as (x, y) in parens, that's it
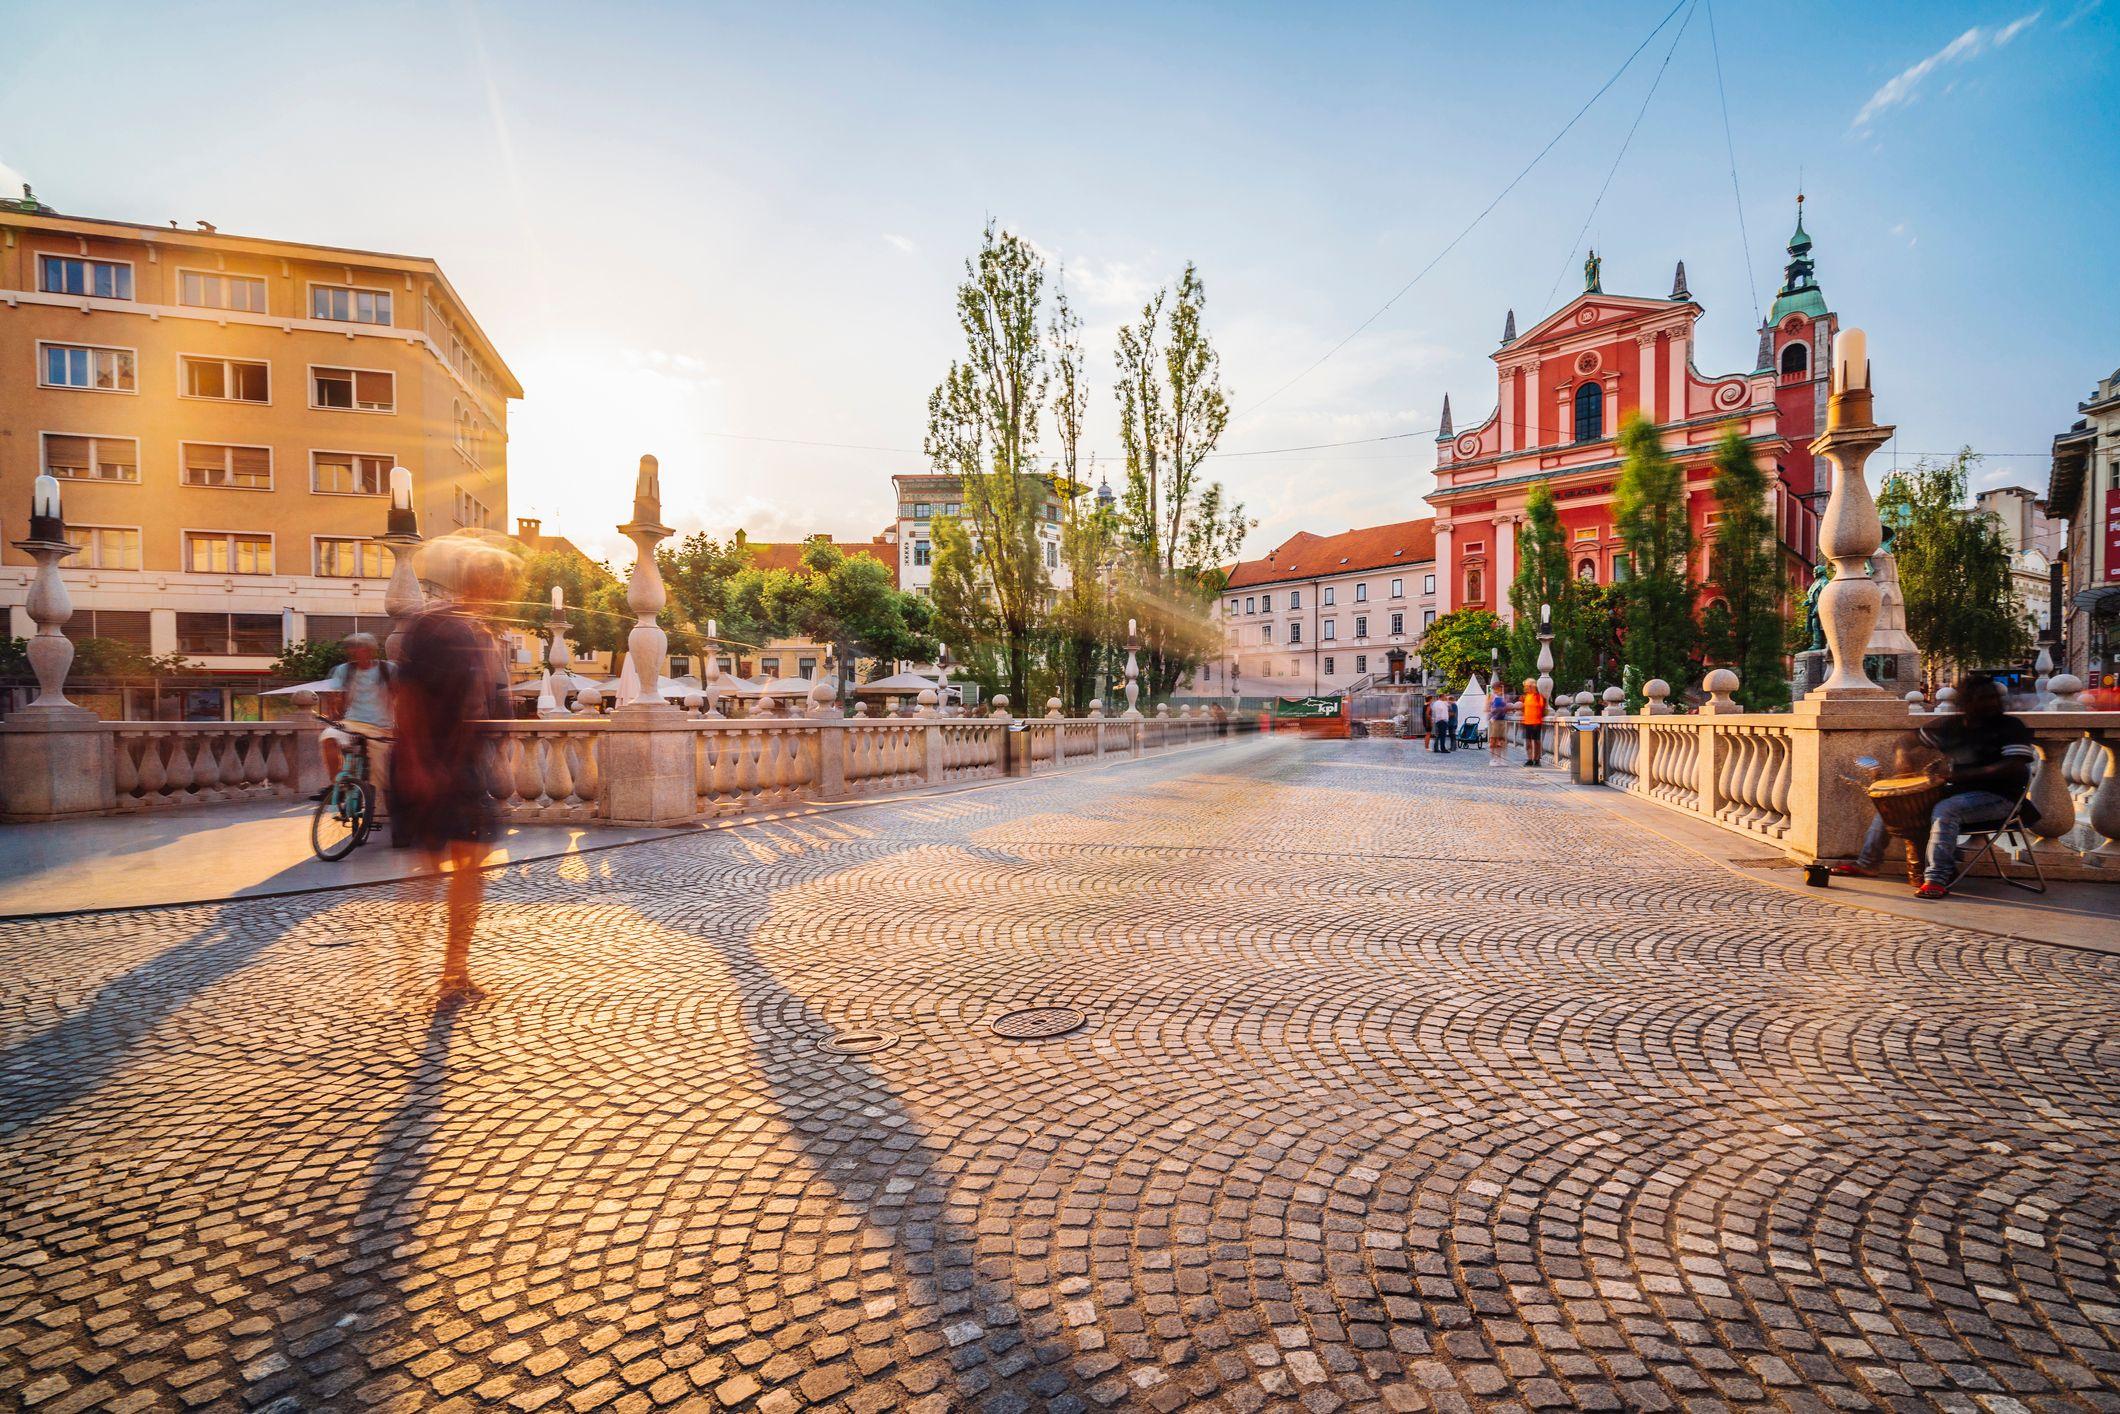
(2019, 829)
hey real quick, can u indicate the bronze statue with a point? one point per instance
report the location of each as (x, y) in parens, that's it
(1820, 574)
(1591, 267)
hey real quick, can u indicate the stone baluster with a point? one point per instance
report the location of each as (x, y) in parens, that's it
(2103, 810)
(1849, 531)
(1133, 675)
(2043, 671)
(588, 783)
(2050, 796)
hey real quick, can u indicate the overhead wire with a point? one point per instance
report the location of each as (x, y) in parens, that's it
(1473, 224)
(1730, 145)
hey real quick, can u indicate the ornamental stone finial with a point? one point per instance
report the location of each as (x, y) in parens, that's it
(588, 700)
(1720, 685)
(2065, 687)
(1000, 711)
(1849, 532)
(647, 644)
(1096, 706)
(1615, 702)
(1657, 691)
(928, 700)
(1053, 707)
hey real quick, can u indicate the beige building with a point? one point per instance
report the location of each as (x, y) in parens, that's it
(2084, 491)
(925, 496)
(222, 413)
(2036, 544)
(1319, 613)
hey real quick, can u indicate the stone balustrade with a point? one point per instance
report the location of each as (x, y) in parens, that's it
(168, 765)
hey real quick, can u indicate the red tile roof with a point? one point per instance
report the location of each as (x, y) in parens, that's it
(1307, 556)
(789, 556)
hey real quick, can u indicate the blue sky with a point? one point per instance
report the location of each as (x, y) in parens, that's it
(681, 220)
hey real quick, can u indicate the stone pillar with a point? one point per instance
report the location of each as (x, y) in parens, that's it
(551, 696)
(1133, 675)
(55, 757)
(647, 768)
(647, 644)
(831, 738)
(1849, 535)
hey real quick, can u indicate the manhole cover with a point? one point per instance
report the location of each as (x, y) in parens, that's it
(856, 1043)
(1036, 1023)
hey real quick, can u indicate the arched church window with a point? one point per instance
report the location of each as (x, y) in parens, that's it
(1589, 413)
(1795, 361)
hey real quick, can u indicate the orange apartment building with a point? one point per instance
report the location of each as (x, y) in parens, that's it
(222, 413)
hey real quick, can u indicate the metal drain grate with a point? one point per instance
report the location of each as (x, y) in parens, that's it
(856, 1043)
(1038, 1023)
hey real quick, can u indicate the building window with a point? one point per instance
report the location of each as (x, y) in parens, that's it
(923, 552)
(1232, 607)
(1361, 593)
(132, 626)
(1361, 625)
(349, 305)
(1398, 623)
(770, 667)
(1251, 604)
(84, 366)
(1427, 618)
(202, 290)
(1332, 630)
(1622, 568)
(1589, 412)
(73, 275)
(1795, 363)
(1427, 584)
(1265, 603)
(806, 667)
(105, 547)
(346, 558)
(1052, 554)
(1295, 633)
(360, 389)
(1265, 633)
(250, 635)
(1586, 571)
(1328, 667)
(226, 379)
(1361, 663)
(91, 458)
(221, 552)
(349, 473)
(1475, 586)
(471, 511)
(1398, 589)
(229, 467)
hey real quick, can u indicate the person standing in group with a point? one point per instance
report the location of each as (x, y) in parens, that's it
(1450, 737)
(1498, 725)
(451, 680)
(363, 683)
(1533, 704)
(1438, 722)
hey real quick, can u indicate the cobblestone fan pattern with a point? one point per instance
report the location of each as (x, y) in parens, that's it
(1402, 1082)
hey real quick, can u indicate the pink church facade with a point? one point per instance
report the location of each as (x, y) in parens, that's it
(1564, 387)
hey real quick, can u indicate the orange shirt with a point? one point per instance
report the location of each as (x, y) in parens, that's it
(1534, 708)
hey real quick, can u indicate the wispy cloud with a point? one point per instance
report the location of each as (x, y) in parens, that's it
(899, 243)
(1903, 87)
(11, 181)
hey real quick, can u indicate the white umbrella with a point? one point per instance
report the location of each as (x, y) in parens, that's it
(787, 687)
(320, 685)
(561, 682)
(898, 683)
(664, 686)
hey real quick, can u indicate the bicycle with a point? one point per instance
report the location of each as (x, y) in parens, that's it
(346, 813)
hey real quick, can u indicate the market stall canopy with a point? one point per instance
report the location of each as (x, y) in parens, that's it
(561, 682)
(665, 687)
(1472, 702)
(320, 685)
(787, 687)
(897, 683)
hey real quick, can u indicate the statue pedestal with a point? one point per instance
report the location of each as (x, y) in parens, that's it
(1812, 667)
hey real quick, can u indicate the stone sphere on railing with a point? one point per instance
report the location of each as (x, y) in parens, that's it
(1096, 706)
(1001, 705)
(1163, 709)
(861, 709)
(767, 707)
(588, 700)
(1916, 701)
(1052, 707)
(305, 699)
(2065, 686)
(1947, 699)
(1720, 684)
(928, 699)
(1658, 692)
(694, 701)
(1615, 702)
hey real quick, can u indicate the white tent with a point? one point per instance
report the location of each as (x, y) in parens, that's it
(664, 687)
(320, 685)
(562, 682)
(1472, 702)
(787, 689)
(909, 684)
(730, 685)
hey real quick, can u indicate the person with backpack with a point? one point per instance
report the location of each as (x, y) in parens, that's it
(363, 682)
(1534, 710)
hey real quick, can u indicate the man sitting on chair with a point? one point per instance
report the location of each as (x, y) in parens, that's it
(1990, 757)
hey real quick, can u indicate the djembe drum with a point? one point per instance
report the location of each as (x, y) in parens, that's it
(1904, 803)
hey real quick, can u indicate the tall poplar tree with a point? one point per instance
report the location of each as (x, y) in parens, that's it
(1649, 508)
(983, 426)
(1182, 527)
(1744, 627)
(1543, 577)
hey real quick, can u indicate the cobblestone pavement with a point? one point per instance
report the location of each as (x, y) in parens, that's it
(1402, 1082)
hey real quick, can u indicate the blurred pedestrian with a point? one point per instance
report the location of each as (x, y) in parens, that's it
(1438, 723)
(363, 684)
(450, 683)
(1533, 704)
(1498, 725)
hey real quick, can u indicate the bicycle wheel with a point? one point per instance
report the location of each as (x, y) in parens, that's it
(342, 820)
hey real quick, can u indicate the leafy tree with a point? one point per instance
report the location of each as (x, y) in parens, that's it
(307, 662)
(983, 426)
(1743, 627)
(850, 602)
(963, 612)
(97, 659)
(1461, 643)
(1963, 609)
(700, 572)
(1649, 507)
(1543, 577)
(597, 617)
(1082, 631)
(1172, 412)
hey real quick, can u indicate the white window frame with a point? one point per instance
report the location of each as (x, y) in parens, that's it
(271, 538)
(1427, 584)
(132, 281)
(316, 557)
(1398, 589)
(272, 470)
(1295, 599)
(96, 562)
(316, 489)
(1265, 633)
(43, 382)
(44, 456)
(183, 381)
(181, 271)
(1361, 628)
(1330, 596)
(315, 406)
(1332, 631)
(309, 302)
(1361, 591)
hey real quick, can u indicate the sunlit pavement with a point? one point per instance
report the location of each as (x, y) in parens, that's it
(1399, 1082)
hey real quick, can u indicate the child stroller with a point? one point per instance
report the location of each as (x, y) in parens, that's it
(1471, 732)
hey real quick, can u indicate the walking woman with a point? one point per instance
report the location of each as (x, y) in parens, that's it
(1498, 726)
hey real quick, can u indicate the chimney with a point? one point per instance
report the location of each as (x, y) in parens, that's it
(527, 528)
(740, 536)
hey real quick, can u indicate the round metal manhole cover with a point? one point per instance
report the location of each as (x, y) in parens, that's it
(856, 1043)
(1038, 1023)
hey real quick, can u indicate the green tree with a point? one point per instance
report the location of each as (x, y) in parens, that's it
(597, 617)
(1172, 412)
(1963, 609)
(1461, 643)
(307, 662)
(850, 602)
(1082, 630)
(983, 426)
(1743, 627)
(1544, 578)
(1649, 508)
(963, 612)
(95, 659)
